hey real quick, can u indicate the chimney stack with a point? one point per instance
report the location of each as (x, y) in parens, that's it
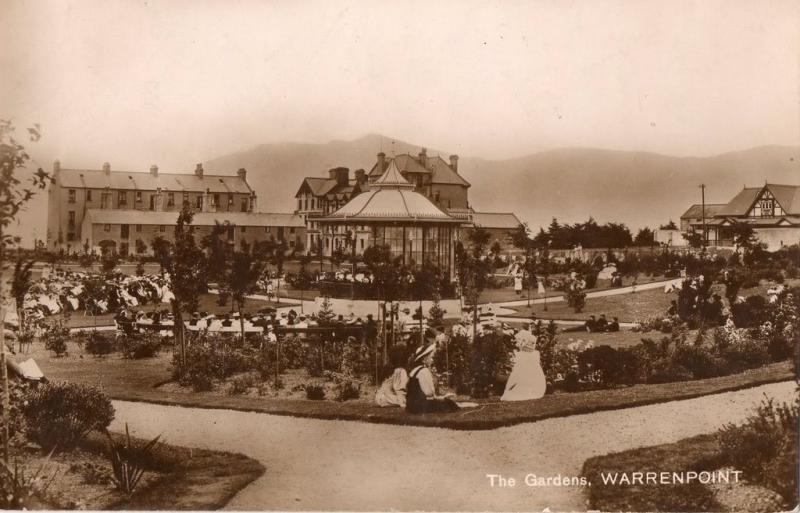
(198, 171)
(242, 173)
(106, 168)
(56, 168)
(381, 162)
(423, 157)
(361, 176)
(154, 170)
(454, 162)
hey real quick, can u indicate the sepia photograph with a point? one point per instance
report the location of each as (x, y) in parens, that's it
(400, 255)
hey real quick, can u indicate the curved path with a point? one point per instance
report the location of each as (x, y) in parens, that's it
(339, 465)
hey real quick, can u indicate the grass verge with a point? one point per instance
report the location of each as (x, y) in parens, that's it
(136, 380)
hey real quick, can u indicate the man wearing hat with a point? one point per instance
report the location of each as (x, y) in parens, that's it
(421, 389)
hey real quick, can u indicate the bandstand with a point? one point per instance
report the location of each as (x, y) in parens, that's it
(390, 213)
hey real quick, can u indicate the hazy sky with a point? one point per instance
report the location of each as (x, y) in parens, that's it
(174, 82)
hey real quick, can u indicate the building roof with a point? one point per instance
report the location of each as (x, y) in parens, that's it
(788, 196)
(125, 180)
(695, 211)
(391, 198)
(150, 217)
(440, 171)
(503, 220)
(328, 186)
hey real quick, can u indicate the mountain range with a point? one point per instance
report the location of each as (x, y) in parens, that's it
(571, 184)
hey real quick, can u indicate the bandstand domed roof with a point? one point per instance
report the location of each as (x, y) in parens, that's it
(391, 198)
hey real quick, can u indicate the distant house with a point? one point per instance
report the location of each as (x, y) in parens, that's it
(772, 210)
(500, 226)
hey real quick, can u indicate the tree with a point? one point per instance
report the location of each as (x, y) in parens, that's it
(20, 284)
(426, 284)
(669, 226)
(217, 251)
(242, 279)
(161, 250)
(13, 196)
(473, 270)
(694, 238)
(187, 269)
(388, 277)
(278, 258)
(645, 237)
(744, 237)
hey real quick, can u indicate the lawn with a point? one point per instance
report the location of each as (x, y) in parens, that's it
(175, 478)
(691, 454)
(629, 307)
(137, 380)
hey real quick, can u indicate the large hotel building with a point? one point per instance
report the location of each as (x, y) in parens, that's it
(123, 212)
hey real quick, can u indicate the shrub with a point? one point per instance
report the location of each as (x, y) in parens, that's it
(546, 345)
(315, 392)
(667, 371)
(764, 447)
(347, 390)
(129, 459)
(55, 339)
(20, 489)
(750, 313)
(98, 344)
(698, 360)
(140, 345)
(490, 358)
(453, 361)
(61, 414)
(241, 384)
(604, 366)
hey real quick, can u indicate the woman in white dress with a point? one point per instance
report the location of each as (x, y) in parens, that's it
(527, 380)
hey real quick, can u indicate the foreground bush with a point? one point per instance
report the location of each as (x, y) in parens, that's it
(61, 414)
(764, 447)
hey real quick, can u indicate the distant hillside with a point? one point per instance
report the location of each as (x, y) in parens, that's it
(639, 189)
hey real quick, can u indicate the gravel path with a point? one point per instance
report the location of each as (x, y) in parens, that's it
(337, 465)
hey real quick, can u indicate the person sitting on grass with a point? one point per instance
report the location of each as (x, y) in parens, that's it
(602, 323)
(393, 389)
(591, 324)
(613, 325)
(421, 390)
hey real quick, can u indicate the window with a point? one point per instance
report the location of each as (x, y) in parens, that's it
(230, 200)
(71, 219)
(107, 228)
(305, 202)
(362, 243)
(88, 195)
(299, 204)
(162, 228)
(71, 194)
(244, 229)
(216, 200)
(122, 198)
(766, 206)
(199, 202)
(244, 204)
(124, 231)
(138, 197)
(291, 243)
(152, 202)
(291, 230)
(171, 199)
(138, 228)
(267, 229)
(70, 236)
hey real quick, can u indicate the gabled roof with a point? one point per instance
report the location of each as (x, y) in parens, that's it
(440, 171)
(788, 196)
(324, 186)
(125, 180)
(501, 220)
(391, 198)
(695, 211)
(150, 217)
